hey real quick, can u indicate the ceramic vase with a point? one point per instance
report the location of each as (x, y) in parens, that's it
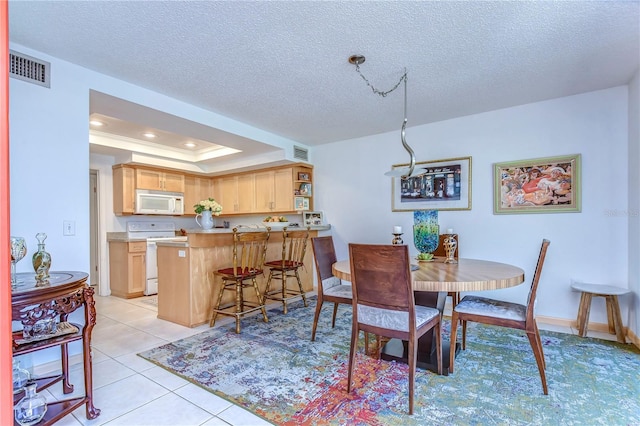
(206, 219)
(450, 245)
(41, 260)
(32, 408)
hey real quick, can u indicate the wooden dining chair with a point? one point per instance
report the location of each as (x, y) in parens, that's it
(503, 314)
(249, 251)
(384, 304)
(330, 287)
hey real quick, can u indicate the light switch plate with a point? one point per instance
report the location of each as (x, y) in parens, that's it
(69, 227)
(182, 253)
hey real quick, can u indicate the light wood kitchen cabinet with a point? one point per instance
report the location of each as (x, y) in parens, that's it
(160, 181)
(237, 194)
(273, 191)
(267, 191)
(127, 268)
(196, 189)
(123, 190)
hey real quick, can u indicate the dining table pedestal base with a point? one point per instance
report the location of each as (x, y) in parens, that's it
(397, 350)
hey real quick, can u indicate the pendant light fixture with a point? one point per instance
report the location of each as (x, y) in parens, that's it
(410, 171)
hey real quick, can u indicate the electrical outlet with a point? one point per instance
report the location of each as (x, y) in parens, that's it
(68, 227)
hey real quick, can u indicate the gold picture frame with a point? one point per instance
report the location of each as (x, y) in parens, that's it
(538, 185)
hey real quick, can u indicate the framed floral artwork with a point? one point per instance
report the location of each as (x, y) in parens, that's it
(539, 185)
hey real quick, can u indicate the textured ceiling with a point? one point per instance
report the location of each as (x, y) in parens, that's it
(281, 66)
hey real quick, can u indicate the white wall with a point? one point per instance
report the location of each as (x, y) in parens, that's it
(634, 203)
(590, 246)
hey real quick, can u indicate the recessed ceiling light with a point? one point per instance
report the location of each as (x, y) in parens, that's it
(149, 135)
(190, 145)
(96, 123)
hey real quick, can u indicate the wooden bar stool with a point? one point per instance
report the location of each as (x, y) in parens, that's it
(249, 251)
(294, 246)
(610, 293)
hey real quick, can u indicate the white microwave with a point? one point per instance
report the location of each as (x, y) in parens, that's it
(159, 202)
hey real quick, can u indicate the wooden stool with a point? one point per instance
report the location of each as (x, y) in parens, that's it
(610, 293)
(294, 246)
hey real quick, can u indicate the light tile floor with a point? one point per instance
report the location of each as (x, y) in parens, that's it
(134, 392)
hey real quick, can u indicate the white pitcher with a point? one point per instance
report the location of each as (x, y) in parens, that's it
(207, 219)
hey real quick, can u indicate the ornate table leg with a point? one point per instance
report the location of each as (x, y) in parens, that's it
(90, 321)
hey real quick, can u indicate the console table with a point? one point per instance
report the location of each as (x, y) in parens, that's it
(65, 292)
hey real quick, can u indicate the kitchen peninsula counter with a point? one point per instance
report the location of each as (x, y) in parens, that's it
(185, 271)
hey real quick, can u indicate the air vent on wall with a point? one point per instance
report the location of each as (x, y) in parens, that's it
(26, 68)
(300, 153)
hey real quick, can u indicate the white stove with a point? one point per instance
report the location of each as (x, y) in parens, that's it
(152, 232)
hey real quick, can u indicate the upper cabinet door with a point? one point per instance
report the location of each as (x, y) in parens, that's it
(283, 197)
(159, 181)
(173, 182)
(246, 193)
(148, 179)
(265, 192)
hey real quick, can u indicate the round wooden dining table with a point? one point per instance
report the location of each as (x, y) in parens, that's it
(432, 281)
(466, 275)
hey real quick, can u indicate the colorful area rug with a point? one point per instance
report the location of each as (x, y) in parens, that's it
(275, 371)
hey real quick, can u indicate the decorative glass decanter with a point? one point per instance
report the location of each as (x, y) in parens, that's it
(20, 377)
(32, 408)
(41, 260)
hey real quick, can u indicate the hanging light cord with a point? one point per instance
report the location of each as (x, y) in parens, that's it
(404, 123)
(385, 93)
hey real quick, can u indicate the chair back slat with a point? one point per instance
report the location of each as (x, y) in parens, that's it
(536, 279)
(294, 246)
(381, 276)
(325, 256)
(249, 250)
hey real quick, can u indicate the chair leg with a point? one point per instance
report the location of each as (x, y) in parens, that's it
(616, 318)
(583, 315)
(214, 314)
(464, 335)
(283, 278)
(366, 343)
(544, 363)
(454, 335)
(352, 354)
(537, 352)
(239, 304)
(263, 309)
(304, 298)
(412, 355)
(335, 313)
(316, 316)
(268, 286)
(438, 336)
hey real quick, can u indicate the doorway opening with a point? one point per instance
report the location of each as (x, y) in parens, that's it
(94, 255)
